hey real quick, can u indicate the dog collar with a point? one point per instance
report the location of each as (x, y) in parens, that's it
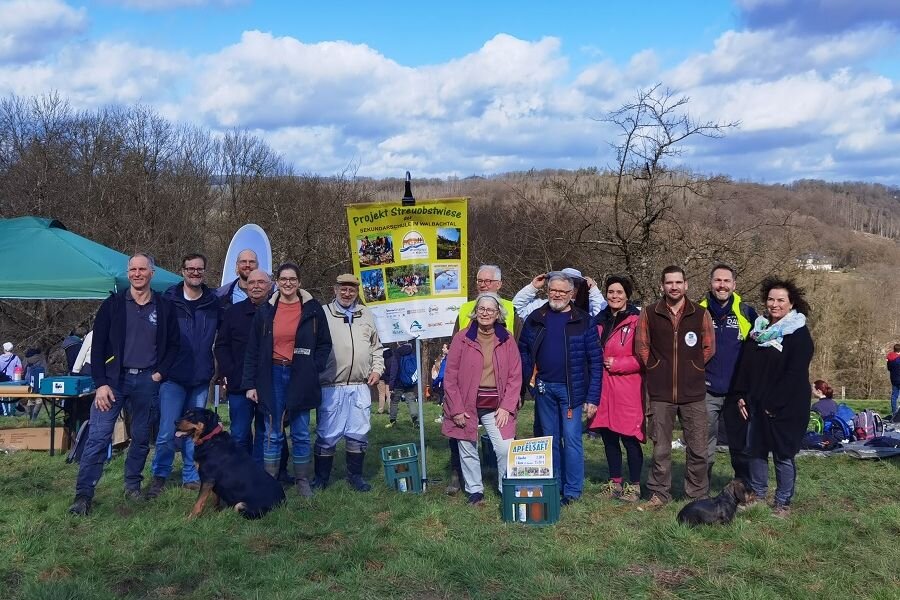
(216, 430)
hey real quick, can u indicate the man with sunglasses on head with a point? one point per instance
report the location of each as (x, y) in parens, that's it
(199, 313)
(561, 341)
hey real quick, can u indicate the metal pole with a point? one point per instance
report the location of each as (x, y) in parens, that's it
(421, 413)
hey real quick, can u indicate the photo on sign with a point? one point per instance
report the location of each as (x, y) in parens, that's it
(448, 246)
(414, 246)
(373, 285)
(375, 249)
(407, 281)
(446, 278)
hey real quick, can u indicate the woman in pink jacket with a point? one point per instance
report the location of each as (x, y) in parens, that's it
(620, 415)
(482, 379)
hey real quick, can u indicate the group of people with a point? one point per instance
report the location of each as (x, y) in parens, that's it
(277, 350)
(29, 371)
(629, 373)
(583, 353)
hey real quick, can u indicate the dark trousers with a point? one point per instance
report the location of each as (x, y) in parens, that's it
(139, 393)
(613, 450)
(662, 422)
(738, 442)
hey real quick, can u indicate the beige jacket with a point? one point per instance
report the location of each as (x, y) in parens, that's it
(356, 350)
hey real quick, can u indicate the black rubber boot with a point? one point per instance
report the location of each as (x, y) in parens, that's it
(323, 471)
(354, 471)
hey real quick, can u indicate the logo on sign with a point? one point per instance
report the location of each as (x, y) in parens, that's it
(59, 387)
(415, 326)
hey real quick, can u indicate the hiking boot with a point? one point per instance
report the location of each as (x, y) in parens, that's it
(631, 492)
(654, 503)
(454, 485)
(194, 486)
(81, 507)
(781, 511)
(750, 504)
(568, 500)
(611, 489)
(133, 494)
(391, 423)
(155, 488)
(476, 499)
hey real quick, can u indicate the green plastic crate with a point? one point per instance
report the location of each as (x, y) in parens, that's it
(539, 508)
(401, 468)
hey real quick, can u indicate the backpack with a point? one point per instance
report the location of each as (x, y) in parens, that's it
(837, 429)
(846, 415)
(408, 376)
(867, 424)
(816, 424)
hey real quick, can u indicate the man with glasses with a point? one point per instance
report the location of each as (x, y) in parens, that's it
(488, 279)
(236, 291)
(135, 341)
(355, 363)
(675, 339)
(199, 313)
(561, 341)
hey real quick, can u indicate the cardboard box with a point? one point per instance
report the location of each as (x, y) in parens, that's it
(33, 438)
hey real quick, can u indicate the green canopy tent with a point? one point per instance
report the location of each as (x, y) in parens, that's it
(41, 260)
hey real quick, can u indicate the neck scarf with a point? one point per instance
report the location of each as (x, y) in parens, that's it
(765, 334)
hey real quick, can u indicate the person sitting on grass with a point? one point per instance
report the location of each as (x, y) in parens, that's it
(825, 406)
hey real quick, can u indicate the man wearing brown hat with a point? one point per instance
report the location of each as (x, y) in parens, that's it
(355, 363)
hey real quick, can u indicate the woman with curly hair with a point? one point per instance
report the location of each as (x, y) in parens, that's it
(773, 389)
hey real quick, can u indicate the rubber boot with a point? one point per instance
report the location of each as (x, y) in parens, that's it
(302, 472)
(323, 471)
(354, 471)
(271, 468)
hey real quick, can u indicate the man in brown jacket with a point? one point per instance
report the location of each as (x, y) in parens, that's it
(675, 339)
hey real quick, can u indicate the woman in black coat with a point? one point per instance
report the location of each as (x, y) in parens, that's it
(773, 387)
(288, 347)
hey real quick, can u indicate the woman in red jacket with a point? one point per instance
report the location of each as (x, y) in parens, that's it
(482, 379)
(620, 415)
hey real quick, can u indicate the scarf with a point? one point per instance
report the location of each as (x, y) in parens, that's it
(765, 334)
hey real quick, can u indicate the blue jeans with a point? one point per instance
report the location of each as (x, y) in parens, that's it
(552, 406)
(301, 449)
(785, 478)
(174, 400)
(242, 413)
(895, 393)
(139, 393)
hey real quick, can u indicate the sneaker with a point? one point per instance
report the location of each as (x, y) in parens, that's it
(134, 494)
(454, 486)
(439, 419)
(631, 492)
(390, 424)
(781, 511)
(194, 486)
(611, 489)
(81, 507)
(476, 499)
(155, 488)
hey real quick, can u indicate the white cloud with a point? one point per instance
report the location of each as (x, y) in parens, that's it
(30, 28)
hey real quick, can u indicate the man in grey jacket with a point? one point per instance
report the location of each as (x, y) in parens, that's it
(356, 362)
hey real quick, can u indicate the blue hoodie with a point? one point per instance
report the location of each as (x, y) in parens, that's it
(198, 322)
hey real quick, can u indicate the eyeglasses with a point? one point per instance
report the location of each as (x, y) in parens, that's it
(551, 291)
(481, 310)
(194, 269)
(288, 280)
(486, 281)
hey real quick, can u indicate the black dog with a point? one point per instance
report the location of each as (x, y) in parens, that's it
(228, 474)
(720, 509)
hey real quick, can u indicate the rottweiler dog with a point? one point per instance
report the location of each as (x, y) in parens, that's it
(720, 509)
(228, 475)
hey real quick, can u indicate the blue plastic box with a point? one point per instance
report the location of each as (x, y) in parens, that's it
(71, 385)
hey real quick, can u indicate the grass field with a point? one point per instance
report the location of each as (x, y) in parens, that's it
(840, 541)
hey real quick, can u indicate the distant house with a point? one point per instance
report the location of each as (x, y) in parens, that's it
(815, 262)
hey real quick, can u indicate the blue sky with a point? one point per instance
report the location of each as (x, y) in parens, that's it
(468, 87)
